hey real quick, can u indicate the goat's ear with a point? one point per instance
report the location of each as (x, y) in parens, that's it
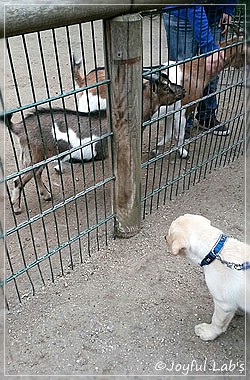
(152, 77)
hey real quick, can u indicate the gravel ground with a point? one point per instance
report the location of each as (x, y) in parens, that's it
(131, 308)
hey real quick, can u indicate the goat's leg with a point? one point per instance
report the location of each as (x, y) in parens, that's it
(19, 184)
(44, 192)
(59, 168)
(162, 111)
(179, 126)
(167, 135)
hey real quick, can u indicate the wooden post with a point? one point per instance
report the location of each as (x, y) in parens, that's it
(123, 40)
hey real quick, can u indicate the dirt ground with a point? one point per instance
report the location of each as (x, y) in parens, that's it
(130, 309)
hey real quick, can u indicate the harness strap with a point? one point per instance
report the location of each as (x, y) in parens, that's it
(211, 256)
(214, 254)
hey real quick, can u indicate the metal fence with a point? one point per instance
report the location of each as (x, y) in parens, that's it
(165, 174)
(48, 238)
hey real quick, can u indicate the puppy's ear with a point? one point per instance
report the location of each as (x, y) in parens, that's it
(179, 246)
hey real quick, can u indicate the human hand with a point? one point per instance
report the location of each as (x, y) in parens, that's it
(224, 22)
(215, 63)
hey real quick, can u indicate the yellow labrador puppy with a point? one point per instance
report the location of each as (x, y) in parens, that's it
(226, 263)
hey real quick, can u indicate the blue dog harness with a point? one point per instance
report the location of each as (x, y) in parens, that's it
(214, 254)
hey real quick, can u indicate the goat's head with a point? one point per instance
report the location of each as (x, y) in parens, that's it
(166, 91)
(239, 53)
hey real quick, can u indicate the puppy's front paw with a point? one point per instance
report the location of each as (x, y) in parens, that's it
(207, 331)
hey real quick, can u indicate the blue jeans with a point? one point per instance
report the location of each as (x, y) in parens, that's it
(182, 45)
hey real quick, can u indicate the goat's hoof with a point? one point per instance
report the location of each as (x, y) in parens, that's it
(57, 169)
(184, 154)
(17, 210)
(46, 197)
(153, 153)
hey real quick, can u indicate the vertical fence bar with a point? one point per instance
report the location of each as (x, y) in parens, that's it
(123, 40)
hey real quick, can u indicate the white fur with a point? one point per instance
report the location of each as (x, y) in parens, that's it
(89, 102)
(194, 236)
(86, 153)
(176, 122)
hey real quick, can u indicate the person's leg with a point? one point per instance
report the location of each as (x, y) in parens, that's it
(206, 111)
(181, 44)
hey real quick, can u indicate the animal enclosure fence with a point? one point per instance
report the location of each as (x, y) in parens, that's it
(49, 237)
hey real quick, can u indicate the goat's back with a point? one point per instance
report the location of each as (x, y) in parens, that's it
(45, 132)
(40, 123)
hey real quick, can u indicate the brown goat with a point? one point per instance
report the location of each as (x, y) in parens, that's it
(196, 77)
(158, 90)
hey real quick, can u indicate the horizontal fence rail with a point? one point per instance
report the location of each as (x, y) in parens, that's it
(84, 204)
(37, 17)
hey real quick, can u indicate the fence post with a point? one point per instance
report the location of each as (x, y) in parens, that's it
(123, 40)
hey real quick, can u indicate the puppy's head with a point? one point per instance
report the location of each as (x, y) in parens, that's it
(182, 229)
(176, 241)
